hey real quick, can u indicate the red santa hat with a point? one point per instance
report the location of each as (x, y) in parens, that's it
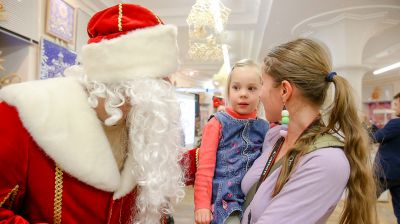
(126, 42)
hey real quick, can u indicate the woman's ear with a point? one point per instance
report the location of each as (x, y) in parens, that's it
(286, 91)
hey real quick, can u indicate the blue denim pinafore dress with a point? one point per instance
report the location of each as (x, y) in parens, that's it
(240, 144)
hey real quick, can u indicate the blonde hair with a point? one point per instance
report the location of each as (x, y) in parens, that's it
(305, 64)
(240, 64)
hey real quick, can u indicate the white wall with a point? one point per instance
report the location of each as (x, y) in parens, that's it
(388, 82)
(18, 18)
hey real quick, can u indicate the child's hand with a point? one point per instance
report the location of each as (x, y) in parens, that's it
(203, 216)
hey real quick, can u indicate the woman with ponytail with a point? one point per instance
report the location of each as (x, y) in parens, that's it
(315, 155)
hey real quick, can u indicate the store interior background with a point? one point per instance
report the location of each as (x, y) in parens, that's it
(360, 35)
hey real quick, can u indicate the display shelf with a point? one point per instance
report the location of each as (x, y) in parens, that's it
(19, 54)
(379, 112)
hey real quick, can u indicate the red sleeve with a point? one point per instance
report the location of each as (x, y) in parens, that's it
(14, 144)
(188, 164)
(207, 160)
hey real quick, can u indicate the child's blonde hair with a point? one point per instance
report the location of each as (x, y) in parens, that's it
(240, 64)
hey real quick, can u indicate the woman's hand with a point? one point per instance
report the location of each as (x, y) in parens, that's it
(203, 216)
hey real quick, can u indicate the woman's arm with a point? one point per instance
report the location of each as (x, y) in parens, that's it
(390, 131)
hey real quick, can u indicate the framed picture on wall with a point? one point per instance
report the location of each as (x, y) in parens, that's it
(54, 59)
(60, 21)
(377, 93)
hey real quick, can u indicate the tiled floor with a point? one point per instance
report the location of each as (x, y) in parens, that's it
(184, 211)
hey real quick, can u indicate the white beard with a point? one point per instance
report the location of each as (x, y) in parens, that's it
(154, 152)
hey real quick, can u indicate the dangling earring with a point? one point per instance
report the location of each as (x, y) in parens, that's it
(284, 122)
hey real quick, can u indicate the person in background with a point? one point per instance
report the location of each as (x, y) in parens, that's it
(387, 159)
(369, 126)
(232, 140)
(307, 163)
(103, 149)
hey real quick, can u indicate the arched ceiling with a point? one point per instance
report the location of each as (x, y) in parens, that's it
(255, 26)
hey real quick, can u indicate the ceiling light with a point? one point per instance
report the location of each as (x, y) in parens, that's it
(206, 22)
(387, 68)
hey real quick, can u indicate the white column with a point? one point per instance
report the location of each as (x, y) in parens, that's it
(354, 75)
(345, 35)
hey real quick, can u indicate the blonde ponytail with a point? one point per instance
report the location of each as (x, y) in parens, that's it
(361, 193)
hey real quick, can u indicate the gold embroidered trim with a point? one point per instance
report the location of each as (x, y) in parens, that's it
(11, 195)
(58, 195)
(120, 17)
(159, 20)
(197, 157)
(90, 34)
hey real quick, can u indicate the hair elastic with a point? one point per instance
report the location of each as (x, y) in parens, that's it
(329, 77)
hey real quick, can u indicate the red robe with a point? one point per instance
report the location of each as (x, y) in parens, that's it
(24, 164)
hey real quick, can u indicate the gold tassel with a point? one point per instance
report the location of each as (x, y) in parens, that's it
(58, 195)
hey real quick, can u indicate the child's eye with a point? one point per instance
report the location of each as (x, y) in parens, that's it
(235, 87)
(252, 88)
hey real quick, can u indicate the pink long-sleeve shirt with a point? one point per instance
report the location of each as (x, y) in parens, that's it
(207, 159)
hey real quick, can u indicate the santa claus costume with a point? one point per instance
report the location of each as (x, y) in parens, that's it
(57, 164)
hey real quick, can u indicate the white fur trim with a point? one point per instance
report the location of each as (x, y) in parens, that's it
(57, 115)
(128, 179)
(144, 53)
